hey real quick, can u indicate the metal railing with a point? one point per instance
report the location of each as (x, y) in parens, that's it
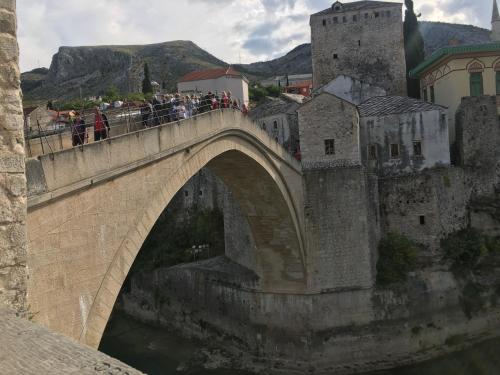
(119, 121)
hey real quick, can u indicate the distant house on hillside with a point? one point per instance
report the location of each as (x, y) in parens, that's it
(290, 80)
(216, 81)
(300, 88)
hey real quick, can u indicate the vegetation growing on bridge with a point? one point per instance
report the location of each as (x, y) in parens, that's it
(397, 257)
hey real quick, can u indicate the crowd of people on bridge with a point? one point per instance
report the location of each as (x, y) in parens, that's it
(160, 110)
(168, 108)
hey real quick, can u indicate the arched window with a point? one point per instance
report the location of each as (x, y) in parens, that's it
(264, 126)
(497, 71)
(476, 78)
(275, 125)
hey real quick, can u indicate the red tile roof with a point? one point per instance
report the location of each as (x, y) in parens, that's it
(211, 74)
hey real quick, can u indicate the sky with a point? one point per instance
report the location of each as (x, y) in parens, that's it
(233, 30)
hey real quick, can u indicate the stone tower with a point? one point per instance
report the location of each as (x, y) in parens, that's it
(13, 202)
(364, 40)
(495, 23)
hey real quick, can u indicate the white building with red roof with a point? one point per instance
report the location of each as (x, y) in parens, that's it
(216, 81)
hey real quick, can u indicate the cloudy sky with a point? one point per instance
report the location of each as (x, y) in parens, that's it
(232, 30)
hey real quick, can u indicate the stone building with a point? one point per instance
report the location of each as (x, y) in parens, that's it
(362, 39)
(388, 135)
(329, 132)
(278, 117)
(401, 135)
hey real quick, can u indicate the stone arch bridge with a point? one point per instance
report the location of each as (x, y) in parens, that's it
(91, 208)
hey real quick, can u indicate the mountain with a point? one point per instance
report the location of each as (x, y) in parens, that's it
(93, 70)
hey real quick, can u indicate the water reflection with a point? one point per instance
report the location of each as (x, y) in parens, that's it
(158, 352)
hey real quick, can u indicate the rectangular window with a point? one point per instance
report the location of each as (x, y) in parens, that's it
(335, 20)
(335, 56)
(355, 18)
(330, 147)
(426, 97)
(395, 151)
(324, 22)
(498, 83)
(476, 84)
(422, 219)
(344, 19)
(376, 14)
(433, 96)
(417, 148)
(359, 43)
(372, 152)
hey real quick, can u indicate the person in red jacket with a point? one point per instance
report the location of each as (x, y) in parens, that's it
(99, 126)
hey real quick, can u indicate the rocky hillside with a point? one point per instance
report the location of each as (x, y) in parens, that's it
(95, 69)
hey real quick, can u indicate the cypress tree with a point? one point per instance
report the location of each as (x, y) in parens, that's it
(414, 48)
(147, 88)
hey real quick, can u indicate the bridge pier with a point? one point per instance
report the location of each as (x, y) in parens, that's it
(13, 274)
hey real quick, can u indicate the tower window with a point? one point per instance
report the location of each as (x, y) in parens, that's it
(376, 14)
(330, 147)
(372, 152)
(359, 43)
(275, 125)
(264, 126)
(355, 18)
(417, 148)
(344, 19)
(476, 84)
(324, 22)
(335, 20)
(422, 219)
(200, 193)
(186, 193)
(395, 153)
(335, 56)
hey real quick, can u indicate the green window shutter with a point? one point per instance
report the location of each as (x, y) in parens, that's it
(498, 83)
(476, 84)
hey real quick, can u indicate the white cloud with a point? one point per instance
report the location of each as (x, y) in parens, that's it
(249, 30)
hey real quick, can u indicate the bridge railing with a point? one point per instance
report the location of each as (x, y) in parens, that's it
(119, 122)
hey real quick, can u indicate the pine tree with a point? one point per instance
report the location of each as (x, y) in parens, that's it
(147, 88)
(414, 48)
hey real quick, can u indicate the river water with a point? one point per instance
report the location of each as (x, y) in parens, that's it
(155, 351)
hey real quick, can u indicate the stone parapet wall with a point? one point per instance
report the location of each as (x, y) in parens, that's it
(13, 201)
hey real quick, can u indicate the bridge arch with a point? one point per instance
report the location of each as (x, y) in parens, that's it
(263, 180)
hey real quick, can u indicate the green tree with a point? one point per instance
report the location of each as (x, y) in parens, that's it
(147, 88)
(397, 257)
(414, 47)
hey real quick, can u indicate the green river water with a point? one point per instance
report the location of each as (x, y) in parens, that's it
(156, 351)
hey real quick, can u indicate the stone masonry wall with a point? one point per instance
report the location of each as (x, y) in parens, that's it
(368, 45)
(340, 228)
(13, 203)
(328, 117)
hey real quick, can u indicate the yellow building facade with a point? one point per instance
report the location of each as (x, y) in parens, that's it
(452, 73)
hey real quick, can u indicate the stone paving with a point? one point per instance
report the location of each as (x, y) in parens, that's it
(26, 349)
